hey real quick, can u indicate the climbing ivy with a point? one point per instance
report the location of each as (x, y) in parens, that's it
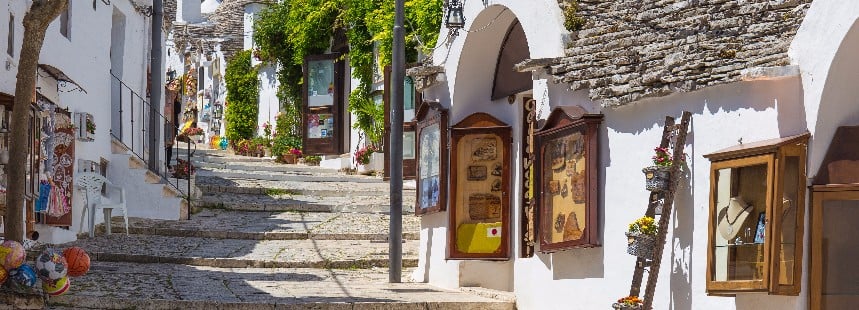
(288, 31)
(242, 96)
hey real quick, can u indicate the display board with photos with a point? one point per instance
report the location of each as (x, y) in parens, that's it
(480, 200)
(566, 173)
(324, 107)
(432, 157)
(755, 228)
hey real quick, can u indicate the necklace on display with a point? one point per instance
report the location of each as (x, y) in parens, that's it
(731, 223)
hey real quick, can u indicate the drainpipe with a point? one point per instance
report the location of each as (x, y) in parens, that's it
(398, 72)
(157, 76)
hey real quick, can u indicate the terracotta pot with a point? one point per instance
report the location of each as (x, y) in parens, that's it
(288, 158)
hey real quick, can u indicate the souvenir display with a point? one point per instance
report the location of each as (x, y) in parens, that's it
(323, 105)
(51, 265)
(11, 254)
(23, 277)
(566, 165)
(431, 177)
(479, 199)
(56, 287)
(755, 237)
(77, 260)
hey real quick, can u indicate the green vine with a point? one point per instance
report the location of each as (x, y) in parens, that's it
(242, 96)
(572, 20)
(288, 31)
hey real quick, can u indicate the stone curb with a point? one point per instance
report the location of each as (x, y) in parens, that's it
(224, 234)
(244, 263)
(94, 302)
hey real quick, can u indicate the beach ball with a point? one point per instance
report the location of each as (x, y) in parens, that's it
(51, 265)
(57, 287)
(77, 261)
(11, 254)
(23, 277)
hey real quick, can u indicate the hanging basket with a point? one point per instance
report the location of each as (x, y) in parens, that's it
(657, 178)
(621, 306)
(641, 245)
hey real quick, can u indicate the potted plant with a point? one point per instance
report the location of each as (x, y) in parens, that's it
(642, 237)
(658, 176)
(183, 169)
(362, 157)
(312, 160)
(90, 126)
(291, 157)
(628, 303)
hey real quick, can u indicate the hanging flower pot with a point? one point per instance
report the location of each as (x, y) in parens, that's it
(641, 245)
(657, 178)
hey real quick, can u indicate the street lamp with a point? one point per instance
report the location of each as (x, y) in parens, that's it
(454, 19)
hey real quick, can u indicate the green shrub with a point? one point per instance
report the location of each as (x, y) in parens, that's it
(242, 97)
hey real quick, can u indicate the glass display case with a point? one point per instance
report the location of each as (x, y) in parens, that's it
(432, 153)
(567, 179)
(480, 182)
(324, 107)
(757, 201)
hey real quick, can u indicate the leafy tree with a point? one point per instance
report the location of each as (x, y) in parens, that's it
(36, 22)
(242, 97)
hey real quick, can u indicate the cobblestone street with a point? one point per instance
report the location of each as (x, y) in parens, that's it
(264, 236)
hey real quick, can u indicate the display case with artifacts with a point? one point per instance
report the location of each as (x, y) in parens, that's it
(480, 182)
(431, 180)
(755, 228)
(567, 179)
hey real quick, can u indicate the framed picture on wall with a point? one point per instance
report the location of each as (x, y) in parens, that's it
(567, 179)
(479, 222)
(431, 146)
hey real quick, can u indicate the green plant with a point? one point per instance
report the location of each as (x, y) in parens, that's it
(644, 225)
(369, 116)
(242, 96)
(90, 126)
(362, 156)
(282, 144)
(663, 157)
(572, 20)
(312, 159)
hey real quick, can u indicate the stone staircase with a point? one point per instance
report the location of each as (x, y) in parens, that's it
(264, 236)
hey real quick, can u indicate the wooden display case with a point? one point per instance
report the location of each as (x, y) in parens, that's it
(757, 202)
(567, 179)
(479, 226)
(324, 109)
(432, 150)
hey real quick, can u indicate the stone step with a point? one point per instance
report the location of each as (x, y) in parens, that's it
(265, 166)
(222, 224)
(331, 189)
(238, 253)
(299, 203)
(169, 286)
(281, 176)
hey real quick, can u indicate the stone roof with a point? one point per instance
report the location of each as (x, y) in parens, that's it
(632, 49)
(226, 24)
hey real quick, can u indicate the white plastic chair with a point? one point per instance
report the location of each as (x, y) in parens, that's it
(92, 183)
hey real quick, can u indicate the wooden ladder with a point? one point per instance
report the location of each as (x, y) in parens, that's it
(674, 137)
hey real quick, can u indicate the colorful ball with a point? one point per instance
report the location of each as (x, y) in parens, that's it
(11, 254)
(78, 261)
(23, 277)
(51, 265)
(57, 287)
(3, 275)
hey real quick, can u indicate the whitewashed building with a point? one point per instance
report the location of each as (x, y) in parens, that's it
(95, 63)
(748, 71)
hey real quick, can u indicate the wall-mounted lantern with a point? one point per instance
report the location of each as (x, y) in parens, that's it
(454, 19)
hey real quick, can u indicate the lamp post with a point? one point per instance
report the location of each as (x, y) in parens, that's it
(398, 72)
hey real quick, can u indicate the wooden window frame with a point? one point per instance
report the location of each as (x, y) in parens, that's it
(429, 114)
(773, 154)
(820, 194)
(563, 122)
(480, 123)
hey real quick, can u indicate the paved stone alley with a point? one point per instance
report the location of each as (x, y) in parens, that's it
(265, 236)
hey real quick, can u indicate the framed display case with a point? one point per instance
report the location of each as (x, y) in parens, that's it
(757, 204)
(834, 257)
(323, 108)
(479, 189)
(432, 153)
(567, 179)
(410, 100)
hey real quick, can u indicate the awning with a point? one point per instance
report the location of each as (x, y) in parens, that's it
(60, 76)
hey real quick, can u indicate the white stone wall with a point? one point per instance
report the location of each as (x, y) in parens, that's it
(818, 101)
(85, 58)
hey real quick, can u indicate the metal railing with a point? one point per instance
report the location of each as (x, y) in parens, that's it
(130, 126)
